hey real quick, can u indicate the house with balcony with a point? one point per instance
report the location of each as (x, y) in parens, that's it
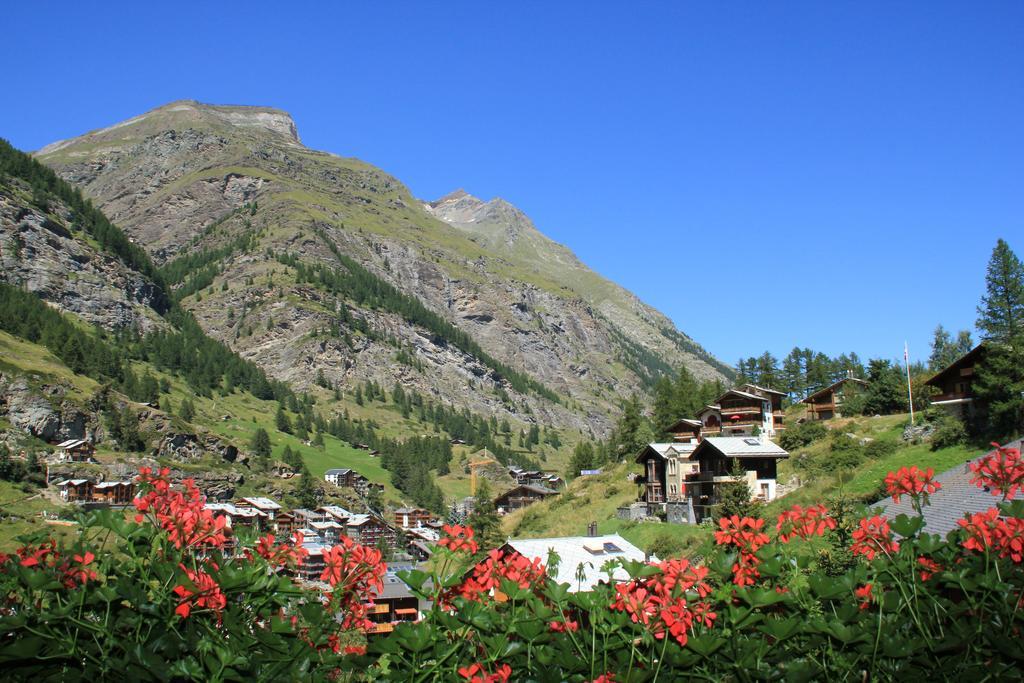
(666, 468)
(717, 458)
(522, 496)
(955, 385)
(741, 411)
(826, 403)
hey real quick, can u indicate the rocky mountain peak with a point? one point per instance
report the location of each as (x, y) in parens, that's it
(184, 114)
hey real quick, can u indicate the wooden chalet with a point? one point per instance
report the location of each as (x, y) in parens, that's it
(410, 518)
(349, 478)
(686, 430)
(369, 530)
(395, 604)
(75, 450)
(113, 492)
(955, 384)
(739, 411)
(522, 496)
(825, 404)
(284, 524)
(75, 490)
(716, 456)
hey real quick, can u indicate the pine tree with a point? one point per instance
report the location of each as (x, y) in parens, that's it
(282, 422)
(735, 498)
(187, 411)
(999, 385)
(1001, 313)
(306, 492)
(484, 518)
(260, 443)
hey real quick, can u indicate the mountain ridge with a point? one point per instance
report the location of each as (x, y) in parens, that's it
(186, 179)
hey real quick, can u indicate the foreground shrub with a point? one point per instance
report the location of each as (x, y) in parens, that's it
(164, 599)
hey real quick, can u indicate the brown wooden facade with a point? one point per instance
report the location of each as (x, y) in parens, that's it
(827, 403)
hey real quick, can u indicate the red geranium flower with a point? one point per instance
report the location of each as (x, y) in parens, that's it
(458, 538)
(798, 522)
(872, 536)
(1002, 472)
(204, 594)
(911, 481)
(475, 673)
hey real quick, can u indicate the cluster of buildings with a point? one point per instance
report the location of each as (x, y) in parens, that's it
(730, 439)
(86, 491)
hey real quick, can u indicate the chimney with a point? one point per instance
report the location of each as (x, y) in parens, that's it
(592, 529)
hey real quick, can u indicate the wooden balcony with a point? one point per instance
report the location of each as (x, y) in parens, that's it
(951, 397)
(742, 410)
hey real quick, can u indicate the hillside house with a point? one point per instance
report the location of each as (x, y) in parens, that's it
(716, 456)
(395, 604)
(335, 512)
(686, 430)
(955, 385)
(522, 496)
(264, 505)
(236, 517)
(303, 517)
(74, 490)
(75, 450)
(739, 411)
(825, 404)
(349, 478)
(284, 524)
(666, 469)
(328, 532)
(410, 517)
(113, 492)
(369, 530)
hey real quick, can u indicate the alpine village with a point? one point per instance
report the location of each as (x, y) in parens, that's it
(266, 415)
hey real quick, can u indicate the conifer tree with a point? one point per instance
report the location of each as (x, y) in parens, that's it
(999, 386)
(260, 443)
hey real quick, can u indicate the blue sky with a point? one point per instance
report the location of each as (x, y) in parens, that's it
(832, 175)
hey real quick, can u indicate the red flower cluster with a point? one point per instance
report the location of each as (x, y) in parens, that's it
(356, 573)
(282, 555)
(1002, 472)
(873, 536)
(798, 522)
(745, 535)
(662, 602)
(458, 538)
(486, 577)
(911, 481)
(927, 567)
(204, 593)
(45, 555)
(568, 625)
(79, 573)
(866, 595)
(987, 531)
(76, 572)
(181, 514)
(475, 673)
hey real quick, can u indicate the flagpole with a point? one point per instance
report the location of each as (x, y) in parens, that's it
(910, 391)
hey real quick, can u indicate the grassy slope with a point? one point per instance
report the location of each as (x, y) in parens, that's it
(596, 498)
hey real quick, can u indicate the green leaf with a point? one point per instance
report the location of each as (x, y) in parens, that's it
(705, 645)
(906, 526)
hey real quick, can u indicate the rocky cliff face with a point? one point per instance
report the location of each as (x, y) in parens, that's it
(234, 188)
(40, 251)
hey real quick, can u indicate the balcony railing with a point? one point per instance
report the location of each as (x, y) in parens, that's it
(950, 397)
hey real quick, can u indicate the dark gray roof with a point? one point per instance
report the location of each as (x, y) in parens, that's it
(957, 497)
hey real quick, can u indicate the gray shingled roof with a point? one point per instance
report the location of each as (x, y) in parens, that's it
(957, 497)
